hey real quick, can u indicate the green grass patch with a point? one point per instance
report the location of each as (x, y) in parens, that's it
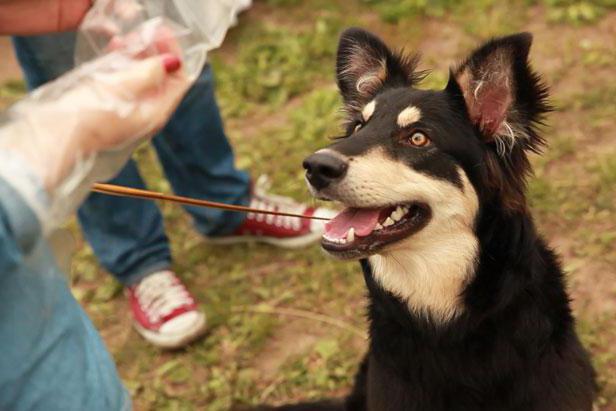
(11, 91)
(605, 171)
(305, 129)
(275, 64)
(577, 12)
(394, 11)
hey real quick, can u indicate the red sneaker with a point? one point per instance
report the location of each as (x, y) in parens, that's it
(164, 312)
(282, 231)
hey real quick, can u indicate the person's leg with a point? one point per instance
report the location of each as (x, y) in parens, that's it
(198, 159)
(44, 58)
(127, 235)
(199, 162)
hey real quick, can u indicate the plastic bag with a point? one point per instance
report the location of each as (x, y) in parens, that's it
(198, 26)
(115, 41)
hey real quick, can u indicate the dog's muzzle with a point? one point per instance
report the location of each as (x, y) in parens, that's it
(323, 169)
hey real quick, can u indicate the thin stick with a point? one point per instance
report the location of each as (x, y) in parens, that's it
(293, 312)
(122, 191)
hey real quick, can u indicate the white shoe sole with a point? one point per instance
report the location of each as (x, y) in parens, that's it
(293, 242)
(173, 341)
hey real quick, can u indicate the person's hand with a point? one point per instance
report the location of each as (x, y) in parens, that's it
(82, 127)
(41, 16)
(114, 108)
(106, 105)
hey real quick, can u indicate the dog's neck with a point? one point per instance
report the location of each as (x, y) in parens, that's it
(430, 272)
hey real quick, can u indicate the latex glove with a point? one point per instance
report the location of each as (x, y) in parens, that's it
(83, 127)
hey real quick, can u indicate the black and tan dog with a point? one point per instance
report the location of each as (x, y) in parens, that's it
(468, 308)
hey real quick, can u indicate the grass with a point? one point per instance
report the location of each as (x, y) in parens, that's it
(275, 65)
(561, 11)
(577, 12)
(275, 86)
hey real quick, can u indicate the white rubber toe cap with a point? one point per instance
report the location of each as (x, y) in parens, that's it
(182, 324)
(176, 333)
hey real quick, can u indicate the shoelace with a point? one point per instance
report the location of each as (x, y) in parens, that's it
(161, 293)
(263, 200)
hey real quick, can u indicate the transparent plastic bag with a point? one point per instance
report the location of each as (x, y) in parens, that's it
(198, 26)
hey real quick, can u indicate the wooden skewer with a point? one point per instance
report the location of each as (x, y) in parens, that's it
(121, 191)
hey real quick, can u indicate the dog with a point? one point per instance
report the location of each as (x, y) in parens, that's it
(468, 308)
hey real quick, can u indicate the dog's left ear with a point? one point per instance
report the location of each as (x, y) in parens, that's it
(365, 66)
(504, 98)
(506, 101)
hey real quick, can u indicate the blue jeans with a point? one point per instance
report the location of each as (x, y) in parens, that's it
(126, 234)
(52, 357)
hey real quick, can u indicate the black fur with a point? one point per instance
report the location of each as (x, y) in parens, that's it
(514, 346)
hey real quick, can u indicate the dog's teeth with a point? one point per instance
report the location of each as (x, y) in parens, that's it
(351, 235)
(398, 214)
(388, 222)
(378, 226)
(342, 241)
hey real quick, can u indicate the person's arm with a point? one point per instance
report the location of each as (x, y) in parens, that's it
(41, 16)
(19, 227)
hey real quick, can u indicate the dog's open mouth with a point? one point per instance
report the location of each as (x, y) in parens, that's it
(357, 232)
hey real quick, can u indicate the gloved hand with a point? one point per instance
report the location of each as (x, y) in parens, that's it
(82, 128)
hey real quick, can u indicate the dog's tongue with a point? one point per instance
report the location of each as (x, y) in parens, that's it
(362, 219)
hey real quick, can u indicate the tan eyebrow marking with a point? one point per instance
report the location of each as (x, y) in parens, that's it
(408, 116)
(368, 110)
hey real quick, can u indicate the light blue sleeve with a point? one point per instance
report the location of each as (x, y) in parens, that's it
(19, 229)
(52, 356)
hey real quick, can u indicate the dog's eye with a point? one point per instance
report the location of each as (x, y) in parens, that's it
(419, 139)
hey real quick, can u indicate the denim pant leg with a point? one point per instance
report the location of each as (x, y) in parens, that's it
(127, 235)
(198, 159)
(44, 58)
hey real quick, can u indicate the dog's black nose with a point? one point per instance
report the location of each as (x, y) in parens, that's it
(322, 169)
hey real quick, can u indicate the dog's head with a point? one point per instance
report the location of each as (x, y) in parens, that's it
(415, 161)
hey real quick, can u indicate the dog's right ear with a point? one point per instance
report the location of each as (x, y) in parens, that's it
(365, 65)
